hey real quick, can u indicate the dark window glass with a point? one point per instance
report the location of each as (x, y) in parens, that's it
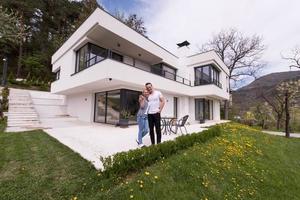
(82, 58)
(206, 75)
(157, 69)
(100, 107)
(117, 57)
(113, 107)
(57, 74)
(97, 54)
(202, 109)
(175, 107)
(89, 55)
(169, 72)
(130, 103)
(109, 105)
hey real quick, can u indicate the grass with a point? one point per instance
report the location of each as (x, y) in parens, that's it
(243, 163)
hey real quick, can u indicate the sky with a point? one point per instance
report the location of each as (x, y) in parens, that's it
(169, 22)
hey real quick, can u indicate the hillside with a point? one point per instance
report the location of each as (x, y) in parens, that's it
(247, 96)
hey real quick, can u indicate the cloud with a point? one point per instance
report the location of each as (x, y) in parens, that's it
(172, 21)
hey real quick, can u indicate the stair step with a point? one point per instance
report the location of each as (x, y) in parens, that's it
(21, 113)
(9, 123)
(26, 118)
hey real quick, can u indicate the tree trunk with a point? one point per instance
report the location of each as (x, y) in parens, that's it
(22, 29)
(287, 117)
(226, 109)
(20, 58)
(279, 117)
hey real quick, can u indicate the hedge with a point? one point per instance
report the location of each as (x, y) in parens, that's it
(123, 163)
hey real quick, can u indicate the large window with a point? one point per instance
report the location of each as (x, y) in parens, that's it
(110, 104)
(89, 55)
(206, 75)
(203, 109)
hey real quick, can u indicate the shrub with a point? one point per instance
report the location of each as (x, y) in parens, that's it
(4, 101)
(123, 163)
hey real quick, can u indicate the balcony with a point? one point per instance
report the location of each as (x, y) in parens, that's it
(163, 71)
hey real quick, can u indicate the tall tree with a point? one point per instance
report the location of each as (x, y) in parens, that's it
(133, 21)
(9, 34)
(288, 91)
(293, 58)
(241, 54)
(277, 103)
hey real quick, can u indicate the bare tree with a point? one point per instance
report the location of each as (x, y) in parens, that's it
(288, 91)
(293, 57)
(277, 103)
(241, 54)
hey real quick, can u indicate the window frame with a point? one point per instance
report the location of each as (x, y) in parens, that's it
(86, 61)
(213, 74)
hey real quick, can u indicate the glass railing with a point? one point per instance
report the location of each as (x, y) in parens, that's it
(207, 82)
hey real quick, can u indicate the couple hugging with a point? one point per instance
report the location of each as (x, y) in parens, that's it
(151, 104)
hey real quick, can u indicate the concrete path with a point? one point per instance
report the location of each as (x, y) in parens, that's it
(92, 140)
(293, 135)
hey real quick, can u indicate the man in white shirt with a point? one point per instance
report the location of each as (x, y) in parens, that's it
(156, 103)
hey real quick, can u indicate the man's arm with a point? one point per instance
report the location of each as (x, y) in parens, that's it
(161, 103)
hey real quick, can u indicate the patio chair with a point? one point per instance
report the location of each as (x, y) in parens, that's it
(175, 124)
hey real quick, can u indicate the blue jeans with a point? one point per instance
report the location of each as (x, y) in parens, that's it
(143, 127)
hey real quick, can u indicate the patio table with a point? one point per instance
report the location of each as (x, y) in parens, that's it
(165, 125)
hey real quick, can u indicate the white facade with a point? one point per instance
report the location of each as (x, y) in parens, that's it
(140, 59)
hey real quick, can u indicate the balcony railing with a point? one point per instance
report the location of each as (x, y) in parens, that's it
(163, 73)
(205, 82)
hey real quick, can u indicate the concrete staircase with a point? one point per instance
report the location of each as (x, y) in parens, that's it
(21, 114)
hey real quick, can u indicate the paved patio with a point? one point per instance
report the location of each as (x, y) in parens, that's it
(92, 140)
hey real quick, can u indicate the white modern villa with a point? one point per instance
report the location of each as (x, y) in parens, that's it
(103, 66)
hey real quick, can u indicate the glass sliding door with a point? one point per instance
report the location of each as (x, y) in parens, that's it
(100, 107)
(130, 103)
(108, 105)
(203, 109)
(113, 107)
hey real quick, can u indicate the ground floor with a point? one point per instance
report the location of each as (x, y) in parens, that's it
(92, 140)
(109, 106)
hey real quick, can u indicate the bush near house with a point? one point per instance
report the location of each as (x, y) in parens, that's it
(126, 162)
(4, 100)
(31, 83)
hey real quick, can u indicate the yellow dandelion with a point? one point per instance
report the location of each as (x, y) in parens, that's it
(147, 173)
(141, 186)
(131, 196)
(156, 177)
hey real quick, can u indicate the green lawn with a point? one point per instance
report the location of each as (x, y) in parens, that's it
(241, 164)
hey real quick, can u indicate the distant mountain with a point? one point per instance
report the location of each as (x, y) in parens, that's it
(249, 95)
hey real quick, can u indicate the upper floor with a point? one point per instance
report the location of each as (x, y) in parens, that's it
(106, 49)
